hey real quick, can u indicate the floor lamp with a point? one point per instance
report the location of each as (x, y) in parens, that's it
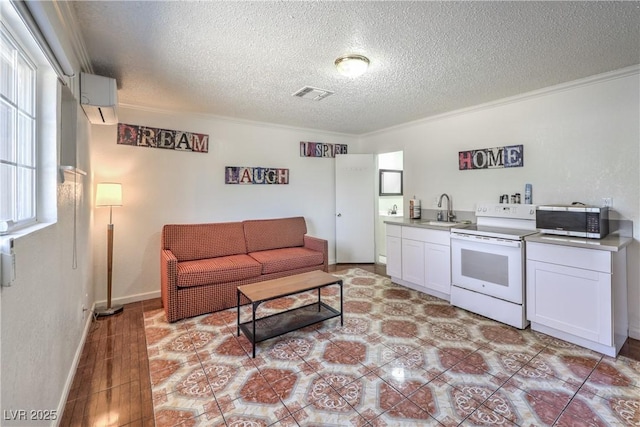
(109, 194)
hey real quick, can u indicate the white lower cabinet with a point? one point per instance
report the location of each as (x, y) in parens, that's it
(394, 250)
(394, 256)
(437, 273)
(578, 295)
(413, 261)
(420, 258)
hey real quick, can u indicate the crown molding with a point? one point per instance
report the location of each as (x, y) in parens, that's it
(208, 116)
(587, 81)
(69, 21)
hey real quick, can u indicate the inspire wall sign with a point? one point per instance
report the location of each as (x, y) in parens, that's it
(511, 156)
(320, 149)
(255, 175)
(144, 136)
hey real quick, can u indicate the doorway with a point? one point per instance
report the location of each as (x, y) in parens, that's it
(386, 204)
(355, 199)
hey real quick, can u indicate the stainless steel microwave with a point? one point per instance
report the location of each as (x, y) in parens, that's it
(573, 220)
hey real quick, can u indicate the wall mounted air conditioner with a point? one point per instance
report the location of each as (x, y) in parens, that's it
(99, 99)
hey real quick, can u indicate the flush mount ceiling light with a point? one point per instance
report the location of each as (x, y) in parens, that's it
(352, 65)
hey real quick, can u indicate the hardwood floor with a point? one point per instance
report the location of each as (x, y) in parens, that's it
(111, 386)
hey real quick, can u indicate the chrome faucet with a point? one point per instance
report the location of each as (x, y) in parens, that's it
(450, 215)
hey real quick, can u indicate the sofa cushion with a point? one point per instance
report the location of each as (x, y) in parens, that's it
(217, 270)
(276, 260)
(265, 234)
(200, 241)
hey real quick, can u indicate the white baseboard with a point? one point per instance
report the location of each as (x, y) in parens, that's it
(634, 332)
(74, 367)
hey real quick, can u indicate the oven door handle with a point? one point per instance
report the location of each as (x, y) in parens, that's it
(487, 240)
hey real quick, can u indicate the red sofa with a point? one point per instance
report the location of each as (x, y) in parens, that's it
(201, 265)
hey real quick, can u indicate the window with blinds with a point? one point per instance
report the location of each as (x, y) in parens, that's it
(18, 142)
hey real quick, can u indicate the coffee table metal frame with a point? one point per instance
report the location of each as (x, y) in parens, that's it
(258, 330)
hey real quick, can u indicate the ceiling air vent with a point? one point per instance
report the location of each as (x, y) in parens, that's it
(312, 93)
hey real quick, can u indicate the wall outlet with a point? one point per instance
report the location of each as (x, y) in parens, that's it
(85, 311)
(607, 202)
(8, 268)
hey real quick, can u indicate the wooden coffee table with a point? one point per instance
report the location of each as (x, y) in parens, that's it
(264, 328)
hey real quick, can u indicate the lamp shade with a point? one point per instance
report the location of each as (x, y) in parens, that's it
(109, 194)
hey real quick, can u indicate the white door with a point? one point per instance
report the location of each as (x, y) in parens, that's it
(355, 205)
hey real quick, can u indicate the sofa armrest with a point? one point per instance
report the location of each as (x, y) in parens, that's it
(320, 245)
(169, 284)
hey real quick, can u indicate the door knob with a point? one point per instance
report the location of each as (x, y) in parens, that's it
(339, 214)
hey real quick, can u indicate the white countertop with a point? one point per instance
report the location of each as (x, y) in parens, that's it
(612, 243)
(421, 223)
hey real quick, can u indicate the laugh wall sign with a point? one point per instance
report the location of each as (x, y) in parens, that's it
(511, 156)
(145, 136)
(255, 175)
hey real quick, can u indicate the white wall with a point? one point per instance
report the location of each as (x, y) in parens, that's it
(581, 143)
(166, 186)
(42, 319)
(42, 323)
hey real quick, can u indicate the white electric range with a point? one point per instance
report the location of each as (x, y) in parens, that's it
(488, 262)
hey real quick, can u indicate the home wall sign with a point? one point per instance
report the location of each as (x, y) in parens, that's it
(511, 156)
(145, 136)
(255, 175)
(320, 149)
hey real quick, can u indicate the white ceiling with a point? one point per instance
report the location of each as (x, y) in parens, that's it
(245, 59)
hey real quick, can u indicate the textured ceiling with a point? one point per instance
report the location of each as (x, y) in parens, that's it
(245, 59)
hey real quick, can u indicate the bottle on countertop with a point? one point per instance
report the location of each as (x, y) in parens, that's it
(527, 194)
(414, 208)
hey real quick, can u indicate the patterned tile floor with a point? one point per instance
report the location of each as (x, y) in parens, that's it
(402, 358)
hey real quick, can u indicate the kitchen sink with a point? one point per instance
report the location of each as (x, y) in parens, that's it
(441, 223)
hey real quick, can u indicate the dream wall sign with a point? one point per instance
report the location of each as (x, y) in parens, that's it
(255, 175)
(492, 158)
(320, 149)
(144, 136)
